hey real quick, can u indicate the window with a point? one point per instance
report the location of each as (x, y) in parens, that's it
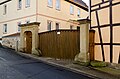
(78, 13)
(27, 3)
(5, 9)
(71, 27)
(71, 9)
(5, 28)
(49, 25)
(19, 4)
(78, 27)
(57, 26)
(19, 23)
(50, 3)
(58, 4)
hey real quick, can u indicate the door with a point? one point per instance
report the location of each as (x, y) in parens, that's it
(28, 42)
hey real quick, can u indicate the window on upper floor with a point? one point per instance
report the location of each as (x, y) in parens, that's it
(27, 3)
(71, 9)
(78, 14)
(49, 25)
(4, 28)
(19, 23)
(57, 26)
(19, 4)
(58, 4)
(5, 9)
(50, 3)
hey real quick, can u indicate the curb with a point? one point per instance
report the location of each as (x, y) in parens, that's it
(59, 66)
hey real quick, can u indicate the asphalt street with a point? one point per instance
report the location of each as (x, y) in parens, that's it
(13, 66)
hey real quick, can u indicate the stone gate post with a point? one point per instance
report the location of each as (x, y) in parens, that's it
(83, 56)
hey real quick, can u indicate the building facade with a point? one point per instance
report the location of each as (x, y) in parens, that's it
(105, 20)
(52, 15)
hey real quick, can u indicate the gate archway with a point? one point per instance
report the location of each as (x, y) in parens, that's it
(29, 38)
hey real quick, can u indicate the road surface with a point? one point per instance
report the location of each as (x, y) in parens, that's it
(13, 66)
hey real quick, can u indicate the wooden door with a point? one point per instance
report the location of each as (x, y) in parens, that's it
(91, 44)
(28, 42)
(119, 59)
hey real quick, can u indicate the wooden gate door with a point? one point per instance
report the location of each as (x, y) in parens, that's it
(119, 59)
(91, 44)
(28, 42)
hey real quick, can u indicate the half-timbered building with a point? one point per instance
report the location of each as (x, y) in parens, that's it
(105, 20)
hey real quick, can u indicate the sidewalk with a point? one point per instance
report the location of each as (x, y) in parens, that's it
(96, 73)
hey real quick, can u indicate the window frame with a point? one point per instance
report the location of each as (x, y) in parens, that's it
(78, 14)
(4, 9)
(4, 28)
(49, 28)
(71, 27)
(58, 4)
(19, 6)
(72, 9)
(19, 23)
(50, 5)
(57, 28)
(27, 3)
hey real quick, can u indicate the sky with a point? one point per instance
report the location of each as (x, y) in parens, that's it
(86, 1)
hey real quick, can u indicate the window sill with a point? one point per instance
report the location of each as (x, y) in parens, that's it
(27, 6)
(71, 14)
(50, 6)
(19, 9)
(57, 9)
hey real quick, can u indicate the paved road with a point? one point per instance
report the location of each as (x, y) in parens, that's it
(13, 66)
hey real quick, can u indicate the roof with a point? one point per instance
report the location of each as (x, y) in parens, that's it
(79, 3)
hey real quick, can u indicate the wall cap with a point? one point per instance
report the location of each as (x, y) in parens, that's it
(28, 24)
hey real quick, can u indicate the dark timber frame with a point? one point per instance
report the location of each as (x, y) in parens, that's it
(111, 25)
(5, 2)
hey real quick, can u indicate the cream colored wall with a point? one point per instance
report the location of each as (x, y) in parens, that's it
(62, 16)
(44, 13)
(13, 15)
(105, 31)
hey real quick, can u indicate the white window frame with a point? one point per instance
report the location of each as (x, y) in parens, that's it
(50, 3)
(58, 4)
(19, 4)
(4, 9)
(27, 3)
(71, 9)
(4, 28)
(49, 27)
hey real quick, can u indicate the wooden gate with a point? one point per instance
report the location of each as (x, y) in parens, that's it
(28, 42)
(91, 44)
(62, 44)
(119, 58)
